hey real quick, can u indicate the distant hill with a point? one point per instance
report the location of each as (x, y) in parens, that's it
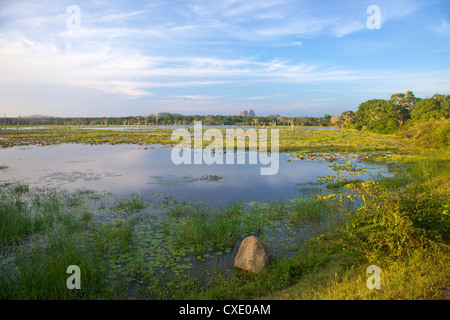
(273, 116)
(162, 114)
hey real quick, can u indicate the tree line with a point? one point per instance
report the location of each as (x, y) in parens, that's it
(424, 121)
(167, 119)
(402, 110)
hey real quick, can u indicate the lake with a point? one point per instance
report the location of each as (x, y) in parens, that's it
(127, 169)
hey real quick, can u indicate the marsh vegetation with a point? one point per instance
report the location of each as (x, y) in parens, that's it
(157, 245)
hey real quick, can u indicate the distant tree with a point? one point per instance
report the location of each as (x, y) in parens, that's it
(291, 123)
(407, 100)
(347, 117)
(436, 107)
(325, 121)
(377, 115)
(209, 120)
(304, 121)
(404, 103)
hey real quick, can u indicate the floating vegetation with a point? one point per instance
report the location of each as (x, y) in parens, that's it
(127, 242)
(171, 181)
(210, 178)
(134, 203)
(156, 246)
(304, 141)
(70, 177)
(168, 181)
(75, 176)
(51, 136)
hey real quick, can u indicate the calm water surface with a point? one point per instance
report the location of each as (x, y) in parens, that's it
(126, 169)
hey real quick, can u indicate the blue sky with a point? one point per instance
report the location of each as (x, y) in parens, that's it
(291, 57)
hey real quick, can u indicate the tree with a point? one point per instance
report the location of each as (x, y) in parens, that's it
(404, 103)
(347, 117)
(325, 121)
(379, 116)
(407, 100)
(436, 107)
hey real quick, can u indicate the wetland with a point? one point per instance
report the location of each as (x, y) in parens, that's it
(140, 227)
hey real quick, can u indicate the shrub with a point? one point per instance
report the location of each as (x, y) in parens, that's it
(378, 228)
(431, 134)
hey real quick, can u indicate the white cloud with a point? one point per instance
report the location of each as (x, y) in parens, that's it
(132, 73)
(442, 28)
(26, 62)
(345, 28)
(149, 52)
(194, 97)
(266, 97)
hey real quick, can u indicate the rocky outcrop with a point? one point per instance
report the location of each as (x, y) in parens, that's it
(247, 113)
(162, 114)
(253, 255)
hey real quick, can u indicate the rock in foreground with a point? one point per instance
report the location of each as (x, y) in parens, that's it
(253, 255)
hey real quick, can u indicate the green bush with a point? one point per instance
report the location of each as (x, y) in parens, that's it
(431, 134)
(427, 205)
(378, 228)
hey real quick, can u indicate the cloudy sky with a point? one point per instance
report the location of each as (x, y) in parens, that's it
(291, 57)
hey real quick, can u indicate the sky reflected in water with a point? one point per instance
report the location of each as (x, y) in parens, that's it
(126, 169)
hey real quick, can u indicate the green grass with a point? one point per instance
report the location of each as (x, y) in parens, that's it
(202, 230)
(43, 240)
(134, 255)
(86, 136)
(134, 203)
(322, 247)
(340, 184)
(337, 141)
(422, 274)
(343, 140)
(403, 228)
(20, 217)
(306, 212)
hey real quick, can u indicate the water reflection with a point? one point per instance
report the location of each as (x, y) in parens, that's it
(125, 169)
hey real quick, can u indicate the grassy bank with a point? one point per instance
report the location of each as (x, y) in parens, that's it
(322, 247)
(57, 135)
(302, 140)
(403, 228)
(156, 247)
